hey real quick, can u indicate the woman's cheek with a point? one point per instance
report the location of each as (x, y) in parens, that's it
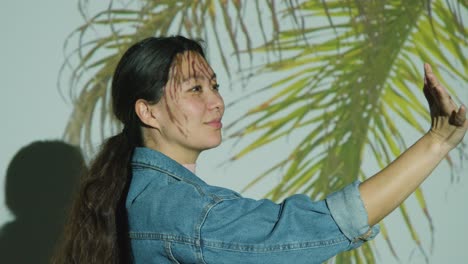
(193, 107)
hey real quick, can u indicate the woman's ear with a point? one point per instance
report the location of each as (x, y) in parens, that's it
(147, 113)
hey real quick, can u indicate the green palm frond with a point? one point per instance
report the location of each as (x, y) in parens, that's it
(354, 69)
(105, 36)
(351, 83)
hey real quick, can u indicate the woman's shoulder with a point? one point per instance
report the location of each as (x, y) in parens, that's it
(153, 169)
(177, 198)
(175, 183)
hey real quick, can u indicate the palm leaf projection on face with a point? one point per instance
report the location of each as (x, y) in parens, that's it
(191, 98)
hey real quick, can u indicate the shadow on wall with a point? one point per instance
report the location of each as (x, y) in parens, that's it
(40, 181)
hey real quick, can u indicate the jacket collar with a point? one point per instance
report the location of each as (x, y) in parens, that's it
(153, 159)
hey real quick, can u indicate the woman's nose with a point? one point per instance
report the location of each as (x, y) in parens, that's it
(216, 101)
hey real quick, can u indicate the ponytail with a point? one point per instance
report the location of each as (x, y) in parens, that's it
(97, 228)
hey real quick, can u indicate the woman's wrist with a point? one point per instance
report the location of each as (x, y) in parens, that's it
(437, 143)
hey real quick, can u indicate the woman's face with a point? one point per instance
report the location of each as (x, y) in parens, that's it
(191, 108)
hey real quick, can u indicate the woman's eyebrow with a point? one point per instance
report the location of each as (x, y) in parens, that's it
(199, 77)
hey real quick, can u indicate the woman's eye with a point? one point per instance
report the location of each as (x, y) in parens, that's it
(216, 87)
(197, 88)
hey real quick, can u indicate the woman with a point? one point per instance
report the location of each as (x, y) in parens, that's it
(142, 201)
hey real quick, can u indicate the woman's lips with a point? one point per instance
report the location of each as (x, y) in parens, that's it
(215, 124)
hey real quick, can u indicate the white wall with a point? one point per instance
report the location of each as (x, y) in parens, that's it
(31, 109)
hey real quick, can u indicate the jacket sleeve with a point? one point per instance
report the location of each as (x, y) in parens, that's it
(298, 230)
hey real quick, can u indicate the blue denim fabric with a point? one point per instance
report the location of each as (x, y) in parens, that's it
(175, 217)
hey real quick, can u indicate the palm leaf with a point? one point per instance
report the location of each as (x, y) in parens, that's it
(363, 63)
(91, 65)
(353, 71)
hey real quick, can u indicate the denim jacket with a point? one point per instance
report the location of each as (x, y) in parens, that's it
(175, 217)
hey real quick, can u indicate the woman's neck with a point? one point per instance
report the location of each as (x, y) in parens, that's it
(191, 167)
(181, 155)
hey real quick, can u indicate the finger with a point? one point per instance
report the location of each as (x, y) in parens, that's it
(444, 100)
(430, 99)
(427, 68)
(460, 116)
(462, 111)
(429, 82)
(429, 93)
(441, 96)
(437, 89)
(425, 75)
(432, 81)
(428, 72)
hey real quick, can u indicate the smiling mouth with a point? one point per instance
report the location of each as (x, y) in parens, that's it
(215, 124)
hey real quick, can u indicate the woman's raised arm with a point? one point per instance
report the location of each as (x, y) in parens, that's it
(387, 189)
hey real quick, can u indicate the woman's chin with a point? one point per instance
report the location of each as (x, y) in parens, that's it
(213, 144)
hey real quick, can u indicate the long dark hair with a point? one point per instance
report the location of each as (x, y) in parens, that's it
(97, 228)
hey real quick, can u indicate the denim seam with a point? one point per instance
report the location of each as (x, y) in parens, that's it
(141, 191)
(235, 246)
(197, 186)
(241, 247)
(167, 247)
(162, 237)
(273, 248)
(204, 215)
(199, 189)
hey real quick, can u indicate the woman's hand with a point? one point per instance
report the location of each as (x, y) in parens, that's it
(448, 125)
(388, 188)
